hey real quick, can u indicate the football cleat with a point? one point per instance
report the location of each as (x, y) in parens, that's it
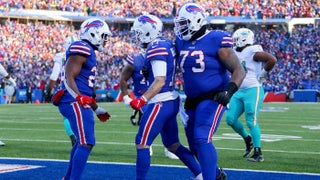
(249, 146)
(222, 175)
(199, 177)
(257, 156)
(2, 143)
(133, 118)
(169, 154)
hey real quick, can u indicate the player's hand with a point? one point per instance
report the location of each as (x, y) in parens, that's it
(127, 100)
(102, 114)
(263, 76)
(223, 97)
(85, 101)
(137, 103)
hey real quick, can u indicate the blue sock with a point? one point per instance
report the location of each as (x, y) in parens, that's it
(142, 163)
(67, 176)
(208, 160)
(188, 159)
(79, 161)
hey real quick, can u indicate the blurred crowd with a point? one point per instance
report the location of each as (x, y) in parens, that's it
(27, 51)
(258, 9)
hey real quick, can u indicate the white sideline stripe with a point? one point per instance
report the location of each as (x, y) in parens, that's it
(216, 137)
(158, 145)
(159, 165)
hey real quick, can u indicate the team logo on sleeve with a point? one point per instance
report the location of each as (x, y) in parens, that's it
(146, 19)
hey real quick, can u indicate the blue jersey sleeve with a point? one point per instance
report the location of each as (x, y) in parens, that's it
(130, 59)
(80, 48)
(226, 39)
(158, 50)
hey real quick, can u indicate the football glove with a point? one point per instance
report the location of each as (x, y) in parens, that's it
(225, 96)
(127, 100)
(137, 103)
(85, 101)
(102, 114)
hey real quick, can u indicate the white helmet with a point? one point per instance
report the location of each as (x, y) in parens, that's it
(189, 19)
(147, 28)
(96, 31)
(242, 37)
(68, 41)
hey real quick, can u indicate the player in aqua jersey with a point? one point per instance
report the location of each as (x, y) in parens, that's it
(75, 100)
(4, 73)
(248, 99)
(204, 58)
(161, 101)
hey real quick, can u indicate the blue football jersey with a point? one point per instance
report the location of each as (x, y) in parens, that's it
(86, 79)
(139, 81)
(163, 50)
(199, 62)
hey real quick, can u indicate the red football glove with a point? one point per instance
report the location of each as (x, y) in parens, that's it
(137, 103)
(85, 101)
(102, 114)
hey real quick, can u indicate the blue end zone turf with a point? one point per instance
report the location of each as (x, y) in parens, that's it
(54, 170)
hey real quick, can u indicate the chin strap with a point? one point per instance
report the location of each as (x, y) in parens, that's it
(199, 33)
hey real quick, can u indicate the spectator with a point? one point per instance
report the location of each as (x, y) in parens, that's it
(109, 97)
(29, 94)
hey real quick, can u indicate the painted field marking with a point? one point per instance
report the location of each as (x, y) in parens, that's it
(4, 168)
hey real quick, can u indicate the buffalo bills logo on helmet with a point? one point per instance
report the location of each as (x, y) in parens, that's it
(147, 19)
(194, 8)
(95, 24)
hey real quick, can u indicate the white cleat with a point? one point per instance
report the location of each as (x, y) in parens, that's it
(169, 154)
(2, 143)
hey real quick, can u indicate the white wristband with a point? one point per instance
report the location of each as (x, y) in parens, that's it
(144, 98)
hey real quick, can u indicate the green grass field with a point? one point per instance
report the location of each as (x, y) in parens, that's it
(290, 137)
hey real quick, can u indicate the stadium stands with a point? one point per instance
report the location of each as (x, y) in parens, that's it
(252, 9)
(27, 47)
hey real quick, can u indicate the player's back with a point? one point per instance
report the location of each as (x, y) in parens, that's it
(162, 50)
(252, 68)
(86, 78)
(200, 64)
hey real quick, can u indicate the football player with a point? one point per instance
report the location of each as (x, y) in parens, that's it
(4, 73)
(160, 99)
(248, 99)
(135, 69)
(59, 60)
(75, 99)
(204, 58)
